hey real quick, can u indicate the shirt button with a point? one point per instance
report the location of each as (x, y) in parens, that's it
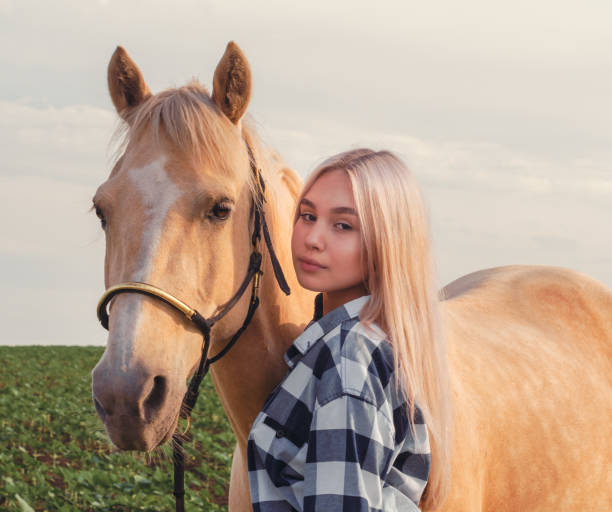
(280, 433)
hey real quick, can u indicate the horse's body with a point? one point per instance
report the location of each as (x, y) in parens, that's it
(530, 348)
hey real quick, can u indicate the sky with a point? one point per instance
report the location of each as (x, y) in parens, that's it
(501, 109)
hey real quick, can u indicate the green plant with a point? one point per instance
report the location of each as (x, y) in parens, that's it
(55, 455)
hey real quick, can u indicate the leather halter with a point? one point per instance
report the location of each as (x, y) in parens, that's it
(205, 325)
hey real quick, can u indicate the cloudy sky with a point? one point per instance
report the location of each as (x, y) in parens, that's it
(502, 109)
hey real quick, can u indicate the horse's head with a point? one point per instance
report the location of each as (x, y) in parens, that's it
(177, 212)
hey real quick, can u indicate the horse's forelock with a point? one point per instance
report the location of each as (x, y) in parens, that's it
(186, 121)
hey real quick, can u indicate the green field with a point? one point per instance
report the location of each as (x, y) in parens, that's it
(55, 455)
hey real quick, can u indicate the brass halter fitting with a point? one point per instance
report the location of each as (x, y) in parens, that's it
(145, 289)
(256, 281)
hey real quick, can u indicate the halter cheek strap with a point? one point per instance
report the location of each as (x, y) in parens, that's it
(205, 325)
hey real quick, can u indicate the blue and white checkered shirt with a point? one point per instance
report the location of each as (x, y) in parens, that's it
(334, 434)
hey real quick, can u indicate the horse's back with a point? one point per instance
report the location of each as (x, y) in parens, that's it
(530, 349)
(571, 310)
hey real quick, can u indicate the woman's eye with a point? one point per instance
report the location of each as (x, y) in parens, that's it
(220, 211)
(308, 217)
(343, 226)
(100, 216)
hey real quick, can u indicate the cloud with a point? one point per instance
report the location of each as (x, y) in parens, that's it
(44, 216)
(472, 69)
(51, 249)
(68, 143)
(456, 165)
(51, 259)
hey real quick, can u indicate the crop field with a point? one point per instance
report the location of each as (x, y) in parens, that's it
(55, 455)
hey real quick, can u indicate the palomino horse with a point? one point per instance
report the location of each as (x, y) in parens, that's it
(530, 347)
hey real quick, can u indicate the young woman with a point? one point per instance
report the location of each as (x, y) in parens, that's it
(361, 420)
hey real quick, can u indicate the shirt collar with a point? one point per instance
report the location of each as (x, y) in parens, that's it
(320, 325)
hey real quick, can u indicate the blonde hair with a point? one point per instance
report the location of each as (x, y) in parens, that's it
(404, 299)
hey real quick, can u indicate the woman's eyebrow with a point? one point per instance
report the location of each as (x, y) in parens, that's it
(344, 209)
(337, 209)
(306, 202)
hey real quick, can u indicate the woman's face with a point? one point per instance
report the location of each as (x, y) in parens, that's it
(326, 243)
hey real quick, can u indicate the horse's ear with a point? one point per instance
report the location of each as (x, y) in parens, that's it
(125, 83)
(232, 83)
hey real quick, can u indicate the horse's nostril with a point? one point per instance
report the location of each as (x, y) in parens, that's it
(99, 409)
(156, 397)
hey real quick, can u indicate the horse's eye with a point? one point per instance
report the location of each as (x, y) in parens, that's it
(221, 211)
(100, 216)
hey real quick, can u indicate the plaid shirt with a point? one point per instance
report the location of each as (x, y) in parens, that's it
(334, 435)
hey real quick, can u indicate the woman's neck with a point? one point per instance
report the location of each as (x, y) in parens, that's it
(336, 298)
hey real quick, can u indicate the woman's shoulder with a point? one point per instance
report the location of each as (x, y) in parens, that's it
(355, 359)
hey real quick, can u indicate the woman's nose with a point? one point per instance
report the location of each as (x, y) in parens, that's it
(314, 239)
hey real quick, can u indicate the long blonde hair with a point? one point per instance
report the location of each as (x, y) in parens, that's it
(402, 283)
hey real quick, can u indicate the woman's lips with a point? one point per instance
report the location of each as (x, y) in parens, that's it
(309, 265)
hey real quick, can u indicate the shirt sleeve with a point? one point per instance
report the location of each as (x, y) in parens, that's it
(350, 448)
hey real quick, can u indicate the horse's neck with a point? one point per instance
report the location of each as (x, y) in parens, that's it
(255, 365)
(246, 375)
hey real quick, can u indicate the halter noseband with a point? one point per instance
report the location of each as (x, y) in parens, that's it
(205, 325)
